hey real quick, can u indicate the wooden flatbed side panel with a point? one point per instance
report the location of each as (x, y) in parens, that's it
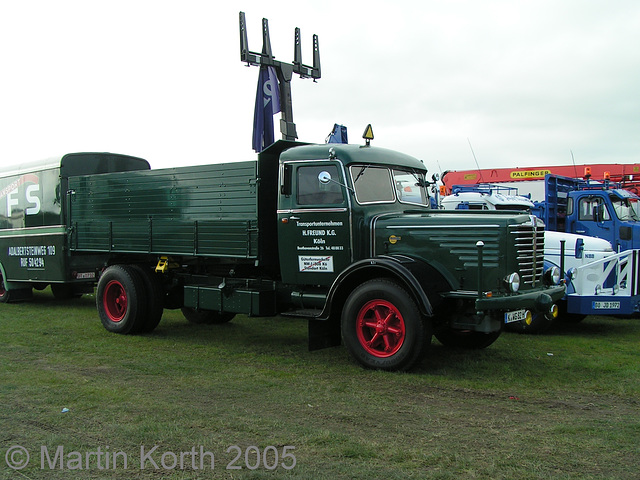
(209, 210)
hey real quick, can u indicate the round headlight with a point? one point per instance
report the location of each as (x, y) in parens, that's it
(552, 275)
(512, 282)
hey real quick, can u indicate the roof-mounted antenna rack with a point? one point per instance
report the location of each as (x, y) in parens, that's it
(284, 70)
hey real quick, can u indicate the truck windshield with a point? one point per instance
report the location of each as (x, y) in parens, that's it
(625, 208)
(375, 184)
(372, 184)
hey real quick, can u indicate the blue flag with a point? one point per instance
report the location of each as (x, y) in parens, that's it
(267, 105)
(337, 135)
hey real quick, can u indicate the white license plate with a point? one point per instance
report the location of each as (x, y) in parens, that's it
(85, 275)
(516, 316)
(606, 305)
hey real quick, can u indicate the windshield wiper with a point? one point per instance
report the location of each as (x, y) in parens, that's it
(360, 173)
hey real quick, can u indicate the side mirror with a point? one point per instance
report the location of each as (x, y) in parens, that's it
(598, 214)
(324, 177)
(579, 248)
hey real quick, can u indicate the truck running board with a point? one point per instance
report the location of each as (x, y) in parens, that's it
(304, 313)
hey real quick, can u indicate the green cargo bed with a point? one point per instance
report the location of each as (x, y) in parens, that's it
(208, 210)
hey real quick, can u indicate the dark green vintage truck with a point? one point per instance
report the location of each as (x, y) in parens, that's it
(342, 235)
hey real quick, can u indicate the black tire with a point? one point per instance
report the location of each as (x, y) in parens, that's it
(155, 298)
(466, 339)
(565, 317)
(382, 327)
(539, 324)
(15, 294)
(206, 317)
(121, 299)
(4, 293)
(174, 298)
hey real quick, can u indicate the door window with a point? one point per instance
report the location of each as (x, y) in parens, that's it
(586, 208)
(311, 191)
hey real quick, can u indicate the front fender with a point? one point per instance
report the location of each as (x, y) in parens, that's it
(396, 267)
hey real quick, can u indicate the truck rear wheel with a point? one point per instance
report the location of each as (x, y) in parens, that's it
(121, 299)
(382, 327)
(206, 317)
(155, 298)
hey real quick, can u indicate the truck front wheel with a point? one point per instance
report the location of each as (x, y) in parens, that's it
(382, 327)
(121, 299)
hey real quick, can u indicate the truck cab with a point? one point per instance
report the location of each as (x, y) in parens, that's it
(328, 200)
(597, 209)
(348, 215)
(607, 214)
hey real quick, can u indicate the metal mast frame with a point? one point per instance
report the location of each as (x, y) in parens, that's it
(284, 70)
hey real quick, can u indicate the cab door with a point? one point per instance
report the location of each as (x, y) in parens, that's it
(314, 230)
(594, 218)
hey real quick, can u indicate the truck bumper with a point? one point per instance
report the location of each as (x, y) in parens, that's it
(603, 304)
(539, 300)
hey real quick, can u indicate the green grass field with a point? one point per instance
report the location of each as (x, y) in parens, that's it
(564, 405)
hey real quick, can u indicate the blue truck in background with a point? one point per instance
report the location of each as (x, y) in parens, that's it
(595, 209)
(592, 235)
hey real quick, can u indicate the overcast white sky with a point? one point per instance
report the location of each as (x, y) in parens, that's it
(525, 82)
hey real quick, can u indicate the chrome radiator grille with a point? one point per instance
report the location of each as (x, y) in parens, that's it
(529, 242)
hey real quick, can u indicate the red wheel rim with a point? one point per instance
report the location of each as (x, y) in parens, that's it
(115, 301)
(380, 328)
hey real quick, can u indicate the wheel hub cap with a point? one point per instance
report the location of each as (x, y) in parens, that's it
(380, 328)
